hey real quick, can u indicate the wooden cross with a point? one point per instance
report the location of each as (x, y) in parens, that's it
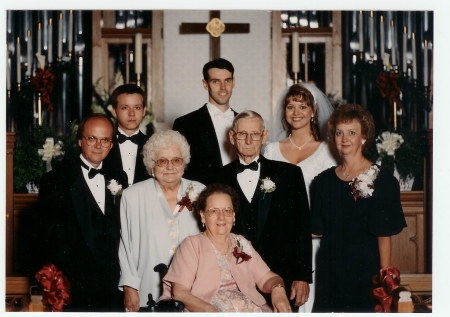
(215, 28)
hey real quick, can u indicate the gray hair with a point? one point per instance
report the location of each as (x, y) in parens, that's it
(163, 140)
(248, 114)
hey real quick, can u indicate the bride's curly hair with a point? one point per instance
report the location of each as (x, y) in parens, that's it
(299, 93)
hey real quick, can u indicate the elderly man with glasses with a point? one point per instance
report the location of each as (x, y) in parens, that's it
(274, 210)
(78, 225)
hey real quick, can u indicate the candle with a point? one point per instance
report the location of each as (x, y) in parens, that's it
(361, 34)
(138, 53)
(395, 116)
(413, 41)
(50, 41)
(382, 38)
(29, 53)
(425, 63)
(19, 79)
(394, 62)
(371, 34)
(39, 39)
(405, 35)
(70, 32)
(295, 53)
(60, 35)
(39, 109)
(8, 71)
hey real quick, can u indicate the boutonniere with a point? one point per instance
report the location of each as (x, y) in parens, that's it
(267, 186)
(115, 188)
(191, 196)
(362, 185)
(242, 251)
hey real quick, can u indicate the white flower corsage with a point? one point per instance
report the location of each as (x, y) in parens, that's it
(191, 196)
(267, 186)
(242, 251)
(362, 185)
(115, 188)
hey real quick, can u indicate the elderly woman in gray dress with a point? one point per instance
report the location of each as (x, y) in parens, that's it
(155, 216)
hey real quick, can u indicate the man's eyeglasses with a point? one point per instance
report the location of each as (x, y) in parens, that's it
(92, 140)
(214, 212)
(163, 162)
(255, 136)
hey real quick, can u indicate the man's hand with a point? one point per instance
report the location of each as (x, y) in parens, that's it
(299, 291)
(131, 299)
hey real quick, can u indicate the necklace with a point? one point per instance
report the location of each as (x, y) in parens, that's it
(299, 147)
(347, 175)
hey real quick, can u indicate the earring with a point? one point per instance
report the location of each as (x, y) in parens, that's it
(234, 222)
(312, 119)
(203, 224)
(363, 142)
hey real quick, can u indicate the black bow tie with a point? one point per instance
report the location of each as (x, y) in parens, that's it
(122, 138)
(241, 167)
(92, 171)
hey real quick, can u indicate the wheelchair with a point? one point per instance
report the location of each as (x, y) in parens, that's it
(163, 306)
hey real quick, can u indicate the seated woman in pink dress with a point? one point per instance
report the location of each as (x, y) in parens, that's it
(218, 271)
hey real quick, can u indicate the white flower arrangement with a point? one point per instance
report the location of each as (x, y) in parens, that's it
(50, 150)
(243, 245)
(267, 186)
(362, 185)
(389, 142)
(191, 196)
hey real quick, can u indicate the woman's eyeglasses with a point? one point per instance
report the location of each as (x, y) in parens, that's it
(163, 162)
(214, 212)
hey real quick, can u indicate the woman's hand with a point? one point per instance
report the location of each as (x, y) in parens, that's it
(280, 301)
(131, 300)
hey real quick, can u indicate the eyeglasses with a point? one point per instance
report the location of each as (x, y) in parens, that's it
(214, 212)
(255, 136)
(163, 162)
(92, 140)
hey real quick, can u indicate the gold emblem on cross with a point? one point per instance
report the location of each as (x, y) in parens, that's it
(215, 27)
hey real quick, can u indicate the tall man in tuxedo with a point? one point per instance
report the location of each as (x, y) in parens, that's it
(125, 159)
(206, 129)
(274, 211)
(78, 224)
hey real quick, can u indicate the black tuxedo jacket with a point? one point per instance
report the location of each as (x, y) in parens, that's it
(113, 163)
(284, 237)
(70, 240)
(198, 129)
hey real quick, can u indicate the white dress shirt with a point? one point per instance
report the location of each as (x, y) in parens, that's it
(95, 184)
(248, 180)
(222, 122)
(128, 153)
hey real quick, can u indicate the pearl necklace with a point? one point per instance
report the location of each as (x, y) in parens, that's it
(299, 147)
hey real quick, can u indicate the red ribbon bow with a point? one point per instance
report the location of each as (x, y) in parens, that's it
(384, 286)
(240, 255)
(55, 285)
(43, 82)
(388, 87)
(185, 202)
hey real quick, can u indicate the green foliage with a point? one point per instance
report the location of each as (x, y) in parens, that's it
(28, 165)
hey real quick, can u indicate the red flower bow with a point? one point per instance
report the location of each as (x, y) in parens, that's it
(43, 82)
(388, 87)
(240, 255)
(185, 202)
(384, 286)
(56, 287)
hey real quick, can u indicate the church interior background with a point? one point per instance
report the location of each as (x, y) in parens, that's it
(62, 65)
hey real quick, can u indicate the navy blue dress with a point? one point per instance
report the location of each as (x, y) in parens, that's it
(348, 257)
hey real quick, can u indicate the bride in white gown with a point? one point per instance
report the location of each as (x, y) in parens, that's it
(296, 135)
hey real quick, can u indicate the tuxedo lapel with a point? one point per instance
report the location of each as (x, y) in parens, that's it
(264, 199)
(82, 209)
(140, 172)
(208, 136)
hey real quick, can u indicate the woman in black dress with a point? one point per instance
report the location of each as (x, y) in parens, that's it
(355, 210)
